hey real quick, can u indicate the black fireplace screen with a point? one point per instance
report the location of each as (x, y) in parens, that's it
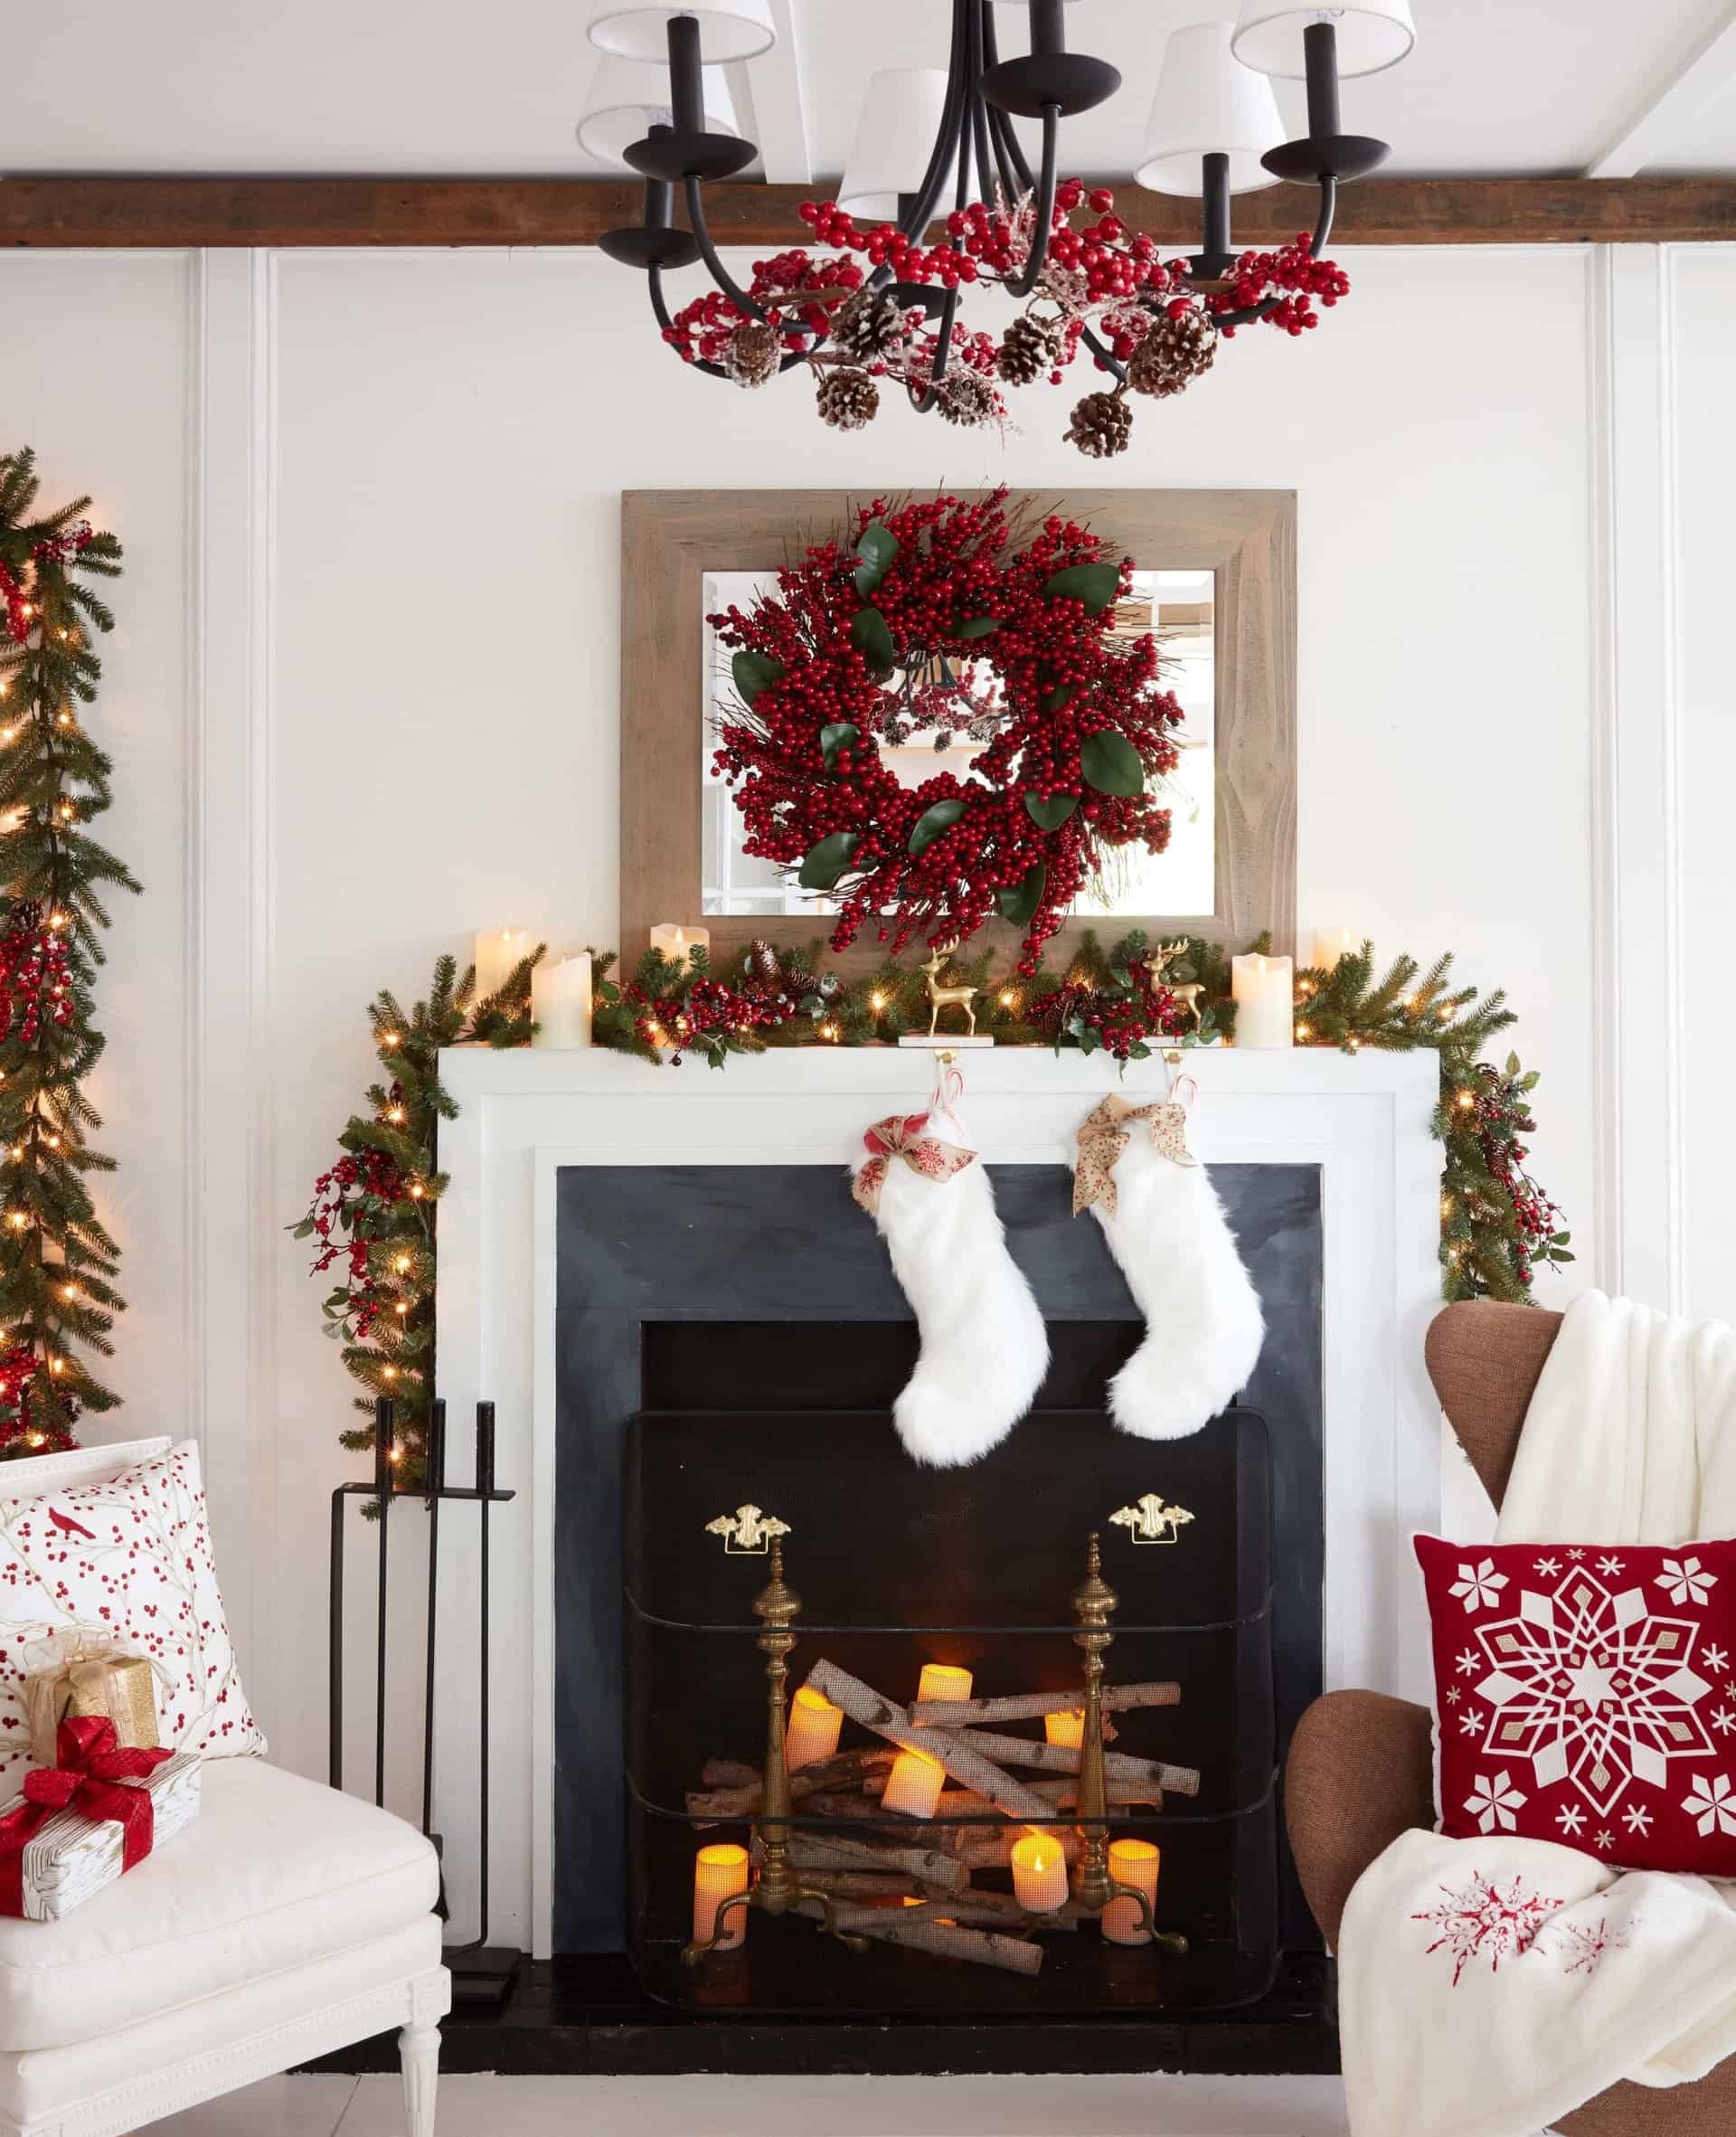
(898, 1567)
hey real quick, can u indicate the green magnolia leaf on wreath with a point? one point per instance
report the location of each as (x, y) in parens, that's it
(1050, 814)
(870, 638)
(877, 546)
(752, 671)
(1111, 763)
(976, 627)
(838, 735)
(1096, 585)
(824, 863)
(1017, 903)
(931, 823)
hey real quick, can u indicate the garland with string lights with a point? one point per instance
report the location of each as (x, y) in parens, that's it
(58, 1262)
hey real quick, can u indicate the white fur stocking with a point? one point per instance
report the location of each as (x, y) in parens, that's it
(1203, 1325)
(984, 1348)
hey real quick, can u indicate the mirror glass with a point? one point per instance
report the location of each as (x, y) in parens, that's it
(1178, 884)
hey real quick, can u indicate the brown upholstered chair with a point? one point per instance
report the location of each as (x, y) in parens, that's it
(1361, 1767)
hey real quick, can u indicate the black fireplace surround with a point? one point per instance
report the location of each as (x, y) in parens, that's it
(727, 1333)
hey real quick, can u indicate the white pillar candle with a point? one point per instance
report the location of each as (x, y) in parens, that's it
(1066, 1729)
(560, 1001)
(676, 941)
(1331, 944)
(1264, 990)
(498, 950)
(813, 1731)
(943, 1680)
(1039, 1873)
(913, 1786)
(1131, 1862)
(719, 1871)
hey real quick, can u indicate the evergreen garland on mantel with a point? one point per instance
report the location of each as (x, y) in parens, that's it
(58, 1262)
(374, 1212)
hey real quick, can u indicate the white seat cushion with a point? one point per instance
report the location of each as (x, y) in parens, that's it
(274, 1873)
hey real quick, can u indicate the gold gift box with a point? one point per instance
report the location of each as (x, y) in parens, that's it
(120, 1689)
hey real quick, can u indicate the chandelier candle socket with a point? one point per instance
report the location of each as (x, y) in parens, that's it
(943, 1680)
(1136, 1863)
(499, 953)
(1264, 990)
(913, 1786)
(678, 944)
(560, 1001)
(814, 1725)
(1039, 1873)
(720, 1872)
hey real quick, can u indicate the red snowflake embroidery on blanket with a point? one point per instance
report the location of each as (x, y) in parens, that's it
(1585, 1945)
(1480, 1920)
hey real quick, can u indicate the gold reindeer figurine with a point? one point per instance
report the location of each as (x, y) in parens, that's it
(1186, 993)
(939, 996)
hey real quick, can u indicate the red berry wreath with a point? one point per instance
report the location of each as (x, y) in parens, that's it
(863, 644)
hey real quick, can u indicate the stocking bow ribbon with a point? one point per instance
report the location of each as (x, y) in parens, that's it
(1108, 1132)
(901, 1135)
(91, 1778)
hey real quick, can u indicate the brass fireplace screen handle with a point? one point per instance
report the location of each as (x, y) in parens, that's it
(1151, 1520)
(748, 1532)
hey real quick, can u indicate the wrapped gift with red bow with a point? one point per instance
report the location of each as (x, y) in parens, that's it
(84, 1821)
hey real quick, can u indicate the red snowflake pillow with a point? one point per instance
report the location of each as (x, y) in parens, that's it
(1586, 1693)
(129, 1559)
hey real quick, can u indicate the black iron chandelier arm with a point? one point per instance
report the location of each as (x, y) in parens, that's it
(916, 219)
(659, 306)
(1044, 210)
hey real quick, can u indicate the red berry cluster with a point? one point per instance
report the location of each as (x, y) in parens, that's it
(1292, 275)
(1062, 679)
(35, 974)
(45, 1429)
(68, 543)
(349, 1201)
(1501, 1116)
(799, 293)
(17, 619)
(1123, 1018)
(706, 1013)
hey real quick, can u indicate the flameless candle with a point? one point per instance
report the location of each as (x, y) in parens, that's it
(720, 1872)
(1265, 994)
(1131, 1862)
(943, 1680)
(498, 950)
(560, 1001)
(1039, 1873)
(1330, 944)
(913, 1786)
(676, 941)
(814, 1725)
(1067, 1729)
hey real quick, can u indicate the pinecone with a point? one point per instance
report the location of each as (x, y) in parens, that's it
(967, 397)
(1028, 348)
(761, 963)
(752, 354)
(1173, 351)
(869, 328)
(848, 398)
(1102, 426)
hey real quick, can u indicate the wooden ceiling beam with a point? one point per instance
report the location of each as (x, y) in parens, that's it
(65, 213)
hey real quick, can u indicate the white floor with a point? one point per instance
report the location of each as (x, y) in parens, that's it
(783, 2107)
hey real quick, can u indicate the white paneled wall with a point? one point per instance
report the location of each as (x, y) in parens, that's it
(364, 700)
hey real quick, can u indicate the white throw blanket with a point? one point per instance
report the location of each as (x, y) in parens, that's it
(1488, 1986)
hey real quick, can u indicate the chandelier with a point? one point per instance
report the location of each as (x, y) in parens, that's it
(939, 199)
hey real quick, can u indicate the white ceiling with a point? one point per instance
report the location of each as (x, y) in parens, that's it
(445, 87)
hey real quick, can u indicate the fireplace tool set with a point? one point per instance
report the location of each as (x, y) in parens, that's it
(858, 1891)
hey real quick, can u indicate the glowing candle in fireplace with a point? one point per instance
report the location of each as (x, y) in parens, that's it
(1131, 1862)
(814, 1725)
(1065, 1729)
(943, 1680)
(720, 1872)
(1039, 1873)
(913, 1786)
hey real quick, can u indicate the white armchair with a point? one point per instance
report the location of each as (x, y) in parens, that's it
(287, 1921)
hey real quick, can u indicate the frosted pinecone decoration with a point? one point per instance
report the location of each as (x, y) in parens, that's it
(752, 354)
(1029, 348)
(967, 397)
(1102, 426)
(1173, 350)
(869, 328)
(848, 399)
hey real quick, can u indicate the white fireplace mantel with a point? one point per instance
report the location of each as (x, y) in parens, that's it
(523, 1115)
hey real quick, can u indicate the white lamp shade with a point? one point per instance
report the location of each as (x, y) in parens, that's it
(728, 30)
(1372, 35)
(896, 131)
(629, 96)
(1206, 101)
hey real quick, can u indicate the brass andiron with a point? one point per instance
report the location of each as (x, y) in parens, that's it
(776, 1890)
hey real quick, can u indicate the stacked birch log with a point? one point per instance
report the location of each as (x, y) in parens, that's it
(918, 1889)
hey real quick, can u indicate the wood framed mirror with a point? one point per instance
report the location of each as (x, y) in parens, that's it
(1215, 576)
